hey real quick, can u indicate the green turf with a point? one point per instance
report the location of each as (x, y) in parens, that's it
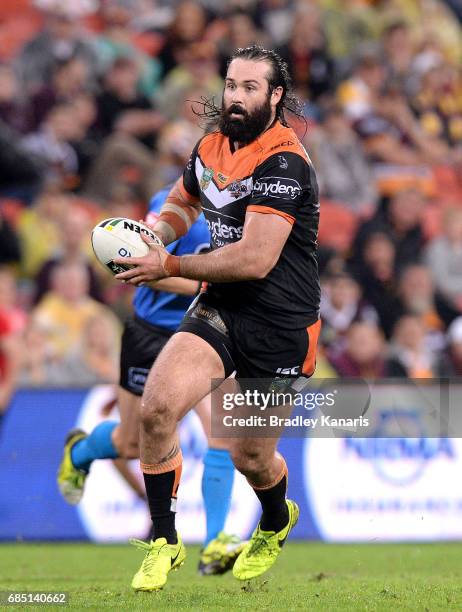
(306, 577)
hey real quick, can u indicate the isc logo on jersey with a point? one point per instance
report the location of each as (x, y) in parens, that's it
(277, 187)
(220, 230)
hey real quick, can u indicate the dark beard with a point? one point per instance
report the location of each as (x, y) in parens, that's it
(248, 128)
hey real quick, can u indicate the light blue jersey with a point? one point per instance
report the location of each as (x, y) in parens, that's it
(158, 307)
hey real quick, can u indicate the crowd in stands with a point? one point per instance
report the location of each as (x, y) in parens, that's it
(96, 115)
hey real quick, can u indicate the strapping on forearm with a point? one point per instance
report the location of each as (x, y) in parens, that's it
(177, 214)
(172, 265)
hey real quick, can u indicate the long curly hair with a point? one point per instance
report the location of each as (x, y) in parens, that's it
(278, 77)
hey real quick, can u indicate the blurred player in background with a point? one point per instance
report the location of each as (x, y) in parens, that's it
(158, 310)
(259, 315)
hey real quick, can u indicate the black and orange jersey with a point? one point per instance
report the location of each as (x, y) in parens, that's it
(273, 174)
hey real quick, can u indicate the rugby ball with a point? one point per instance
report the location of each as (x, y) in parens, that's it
(119, 237)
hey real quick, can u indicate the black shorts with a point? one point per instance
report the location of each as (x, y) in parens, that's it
(141, 344)
(251, 349)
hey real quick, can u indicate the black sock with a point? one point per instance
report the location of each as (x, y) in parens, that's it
(273, 502)
(161, 491)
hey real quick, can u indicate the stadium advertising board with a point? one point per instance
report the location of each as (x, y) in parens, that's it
(401, 483)
(357, 489)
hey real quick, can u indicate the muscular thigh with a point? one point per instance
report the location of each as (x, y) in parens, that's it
(182, 375)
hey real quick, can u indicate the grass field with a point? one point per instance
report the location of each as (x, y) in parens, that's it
(307, 576)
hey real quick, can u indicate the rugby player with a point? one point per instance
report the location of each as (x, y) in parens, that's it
(157, 313)
(260, 312)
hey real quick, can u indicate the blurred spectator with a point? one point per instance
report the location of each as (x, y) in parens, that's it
(363, 353)
(311, 67)
(14, 110)
(241, 32)
(50, 145)
(74, 232)
(400, 218)
(187, 27)
(95, 359)
(450, 363)
(376, 275)
(391, 136)
(87, 142)
(399, 149)
(342, 305)
(430, 20)
(198, 69)
(60, 40)
(428, 55)
(38, 229)
(276, 17)
(330, 261)
(348, 24)
(39, 366)
(438, 103)
(10, 249)
(69, 79)
(65, 310)
(121, 151)
(343, 172)
(409, 354)
(418, 297)
(20, 172)
(444, 257)
(116, 40)
(399, 51)
(178, 138)
(360, 94)
(122, 108)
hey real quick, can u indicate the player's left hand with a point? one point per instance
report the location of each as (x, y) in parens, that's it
(148, 268)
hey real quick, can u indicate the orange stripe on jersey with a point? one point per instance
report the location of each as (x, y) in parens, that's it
(281, 139)
(309, 364)
(267, 210)
(215, 153)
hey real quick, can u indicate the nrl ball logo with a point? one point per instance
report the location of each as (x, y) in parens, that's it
(206, 177)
